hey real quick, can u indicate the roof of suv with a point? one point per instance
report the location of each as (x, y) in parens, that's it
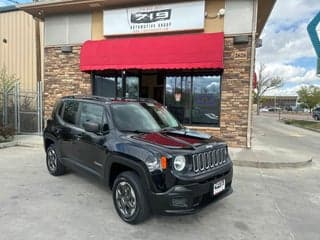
(107, 100)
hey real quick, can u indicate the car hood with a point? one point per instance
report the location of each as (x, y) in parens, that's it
(177, 139)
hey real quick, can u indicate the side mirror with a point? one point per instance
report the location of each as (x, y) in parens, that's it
(91, 127)
(105, 128)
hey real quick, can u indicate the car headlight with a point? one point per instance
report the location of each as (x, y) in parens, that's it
(179, 163)
(153, 163)
(156, 163)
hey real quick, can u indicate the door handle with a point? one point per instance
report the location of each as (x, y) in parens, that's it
(56, 131)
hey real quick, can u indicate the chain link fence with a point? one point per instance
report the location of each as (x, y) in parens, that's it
(22, 110)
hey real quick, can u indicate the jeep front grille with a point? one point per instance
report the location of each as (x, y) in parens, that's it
(209, 160)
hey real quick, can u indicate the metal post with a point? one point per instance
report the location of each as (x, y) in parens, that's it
(16, 96)
(38, 108)
(41, 107)
(253, 54)
(5, 108)
(18, 109)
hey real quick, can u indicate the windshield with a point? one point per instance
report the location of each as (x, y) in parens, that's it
(142, 117)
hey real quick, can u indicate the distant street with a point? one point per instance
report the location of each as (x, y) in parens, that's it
(267, 128)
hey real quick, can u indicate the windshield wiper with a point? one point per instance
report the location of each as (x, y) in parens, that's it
(133, 131)
(169, 129)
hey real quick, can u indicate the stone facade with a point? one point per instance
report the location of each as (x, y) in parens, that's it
(63, 77)
(235, 93)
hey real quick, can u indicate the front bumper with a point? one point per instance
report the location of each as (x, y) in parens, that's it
(186, 199)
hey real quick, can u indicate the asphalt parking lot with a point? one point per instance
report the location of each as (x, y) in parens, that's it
(266, 204)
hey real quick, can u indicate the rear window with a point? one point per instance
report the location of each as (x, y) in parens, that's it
(70, 111)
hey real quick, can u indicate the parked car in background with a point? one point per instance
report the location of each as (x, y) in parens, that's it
(137, 148)
(316, 113)
(264, 110)
(288, 108)
(274, 109)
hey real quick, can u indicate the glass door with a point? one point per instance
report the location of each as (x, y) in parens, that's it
(179, 98)
(132, 87)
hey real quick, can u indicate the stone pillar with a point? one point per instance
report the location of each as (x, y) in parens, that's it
(235, 93)
(62, 76)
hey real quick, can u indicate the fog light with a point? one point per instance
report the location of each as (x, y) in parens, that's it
(179, 202)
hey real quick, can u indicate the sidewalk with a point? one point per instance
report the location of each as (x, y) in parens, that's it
(265, 158)
(25, 141)
(276, 145)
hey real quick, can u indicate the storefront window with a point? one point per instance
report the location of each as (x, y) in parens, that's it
(206, 100)
(104, 86)
(194, 99)
(113, 86)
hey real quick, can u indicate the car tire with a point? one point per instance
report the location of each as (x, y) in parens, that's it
(54, 165)
(129, 198)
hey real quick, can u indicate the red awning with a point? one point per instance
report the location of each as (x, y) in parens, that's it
(184, 51)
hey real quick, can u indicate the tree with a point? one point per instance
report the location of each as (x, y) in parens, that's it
(7, 81)
(265, 82)
(309, 96)
(7, 84)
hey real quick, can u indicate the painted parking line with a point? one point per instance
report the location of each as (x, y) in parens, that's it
(296, 135)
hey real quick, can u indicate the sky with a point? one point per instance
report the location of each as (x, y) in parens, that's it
(6, 2)
(287, 51)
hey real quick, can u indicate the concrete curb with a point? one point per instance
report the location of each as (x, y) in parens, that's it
(18, 144)
(272, 165)
(8, 144)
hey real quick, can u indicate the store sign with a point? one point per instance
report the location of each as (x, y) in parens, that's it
(155, 18)
(150, 17)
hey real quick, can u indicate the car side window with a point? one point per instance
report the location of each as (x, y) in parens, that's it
(91, 113)
(70, 112)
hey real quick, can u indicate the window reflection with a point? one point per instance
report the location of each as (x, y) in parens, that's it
(132, 87)
(206, 100)
(178, 97)
(194, 99)
(105, 86)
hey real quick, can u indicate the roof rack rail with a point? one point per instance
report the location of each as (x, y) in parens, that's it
(88, 97)
(107, 99)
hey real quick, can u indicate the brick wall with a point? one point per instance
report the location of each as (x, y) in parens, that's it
(235, 93)
(62, 76)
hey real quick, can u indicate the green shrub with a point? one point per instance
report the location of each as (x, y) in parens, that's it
(6, 133)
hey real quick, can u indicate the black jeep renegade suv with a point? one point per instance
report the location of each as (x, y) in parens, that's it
(149, 160)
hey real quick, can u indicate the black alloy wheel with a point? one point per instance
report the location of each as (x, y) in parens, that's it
(55, 167)
(129, 198)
